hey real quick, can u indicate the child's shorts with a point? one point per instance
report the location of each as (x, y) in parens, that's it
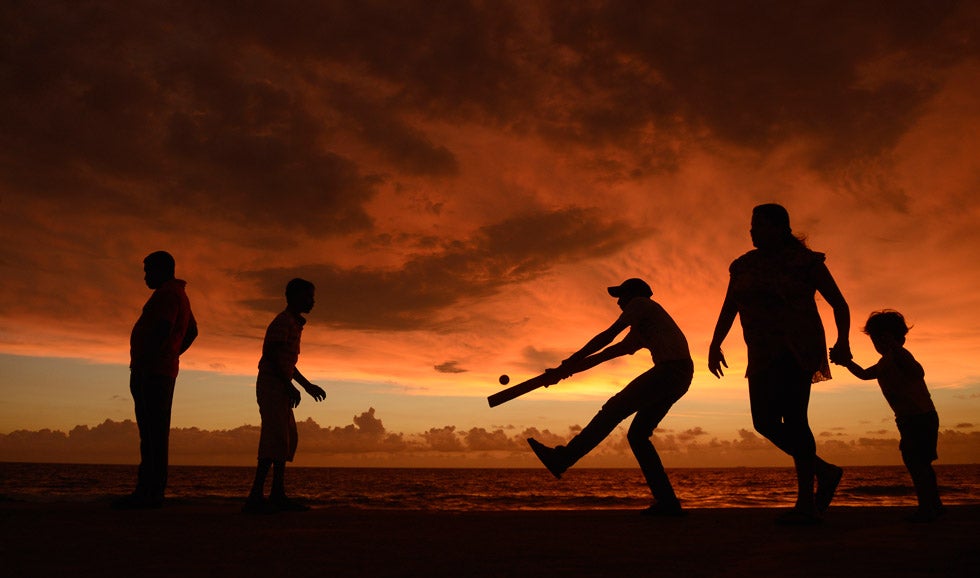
(920, 434)
(278, 437)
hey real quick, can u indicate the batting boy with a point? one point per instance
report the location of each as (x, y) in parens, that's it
(649, 396)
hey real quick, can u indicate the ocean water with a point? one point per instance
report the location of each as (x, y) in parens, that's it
(485, 489)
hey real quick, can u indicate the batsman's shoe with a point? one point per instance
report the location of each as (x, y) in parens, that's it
(549, 457)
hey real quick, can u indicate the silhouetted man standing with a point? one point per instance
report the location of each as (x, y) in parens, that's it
(164, 331)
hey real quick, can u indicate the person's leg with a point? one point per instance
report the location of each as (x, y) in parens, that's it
(800, 439)
(152, 400)
(277, 497)
(828, 478)
(258, 484)
(137, 387)
(274, 445)
(926, 486)
(256, 503)
(919, 436)
(669, 384)
(614, 411)
(638, 436)
(161, 397)
(780, 398)
(601, 425)
(278, 491)
(765, 403)
(275, 413)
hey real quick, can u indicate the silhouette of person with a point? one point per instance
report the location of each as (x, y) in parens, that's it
(649, 396)
(902, 381)
(277, 396)
(772, 291)
(164, 331)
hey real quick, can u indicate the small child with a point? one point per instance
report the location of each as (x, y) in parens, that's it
(902, 381)
(277, 396)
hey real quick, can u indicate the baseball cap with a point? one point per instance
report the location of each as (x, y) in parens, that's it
(631, 288)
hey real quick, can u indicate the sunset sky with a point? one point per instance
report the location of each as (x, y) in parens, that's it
(462, 181)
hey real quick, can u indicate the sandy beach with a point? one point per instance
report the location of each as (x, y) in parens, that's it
(190, 538)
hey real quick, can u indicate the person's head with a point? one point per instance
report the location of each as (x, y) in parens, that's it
(158, 268)
(887, 329)
(770, 226)
(299, 295)
(630, 289)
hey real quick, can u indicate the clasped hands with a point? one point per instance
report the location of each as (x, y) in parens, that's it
(840, 353)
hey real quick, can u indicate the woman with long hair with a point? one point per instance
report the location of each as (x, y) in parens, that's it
(772, 290)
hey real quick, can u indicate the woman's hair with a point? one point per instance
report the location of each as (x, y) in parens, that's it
(778, 215)
(887, 321)
(774, 213)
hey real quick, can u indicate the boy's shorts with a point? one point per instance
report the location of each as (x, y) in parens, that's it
(278, 438)
(919, 436)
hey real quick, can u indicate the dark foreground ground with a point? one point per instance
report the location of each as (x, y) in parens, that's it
(189, 538)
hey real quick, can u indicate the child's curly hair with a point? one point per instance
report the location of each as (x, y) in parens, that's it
(887, 321)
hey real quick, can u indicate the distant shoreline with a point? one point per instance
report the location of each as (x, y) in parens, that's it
(191, 538)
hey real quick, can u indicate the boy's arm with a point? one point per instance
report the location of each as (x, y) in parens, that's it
(601, 340)
(190, 335)
(628, 346)
(315, 391)
(716, 359)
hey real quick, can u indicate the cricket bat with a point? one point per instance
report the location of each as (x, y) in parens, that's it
(551, 376)
(544, 380)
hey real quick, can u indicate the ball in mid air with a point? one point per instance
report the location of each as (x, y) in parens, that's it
(504, 379)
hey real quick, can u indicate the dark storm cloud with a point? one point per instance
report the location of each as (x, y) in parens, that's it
(757, 73)
(512, 251)
(753, 73)
(138, 112)
(375, 119)
(442, 56)
(233, 110)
